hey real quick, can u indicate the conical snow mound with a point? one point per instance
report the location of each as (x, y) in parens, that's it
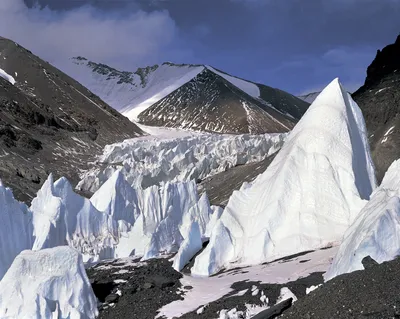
(308, 196)
(376, 230)
(50, 283)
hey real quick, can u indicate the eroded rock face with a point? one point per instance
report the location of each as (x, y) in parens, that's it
(379, 100)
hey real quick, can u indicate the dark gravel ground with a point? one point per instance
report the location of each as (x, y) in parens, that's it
(272, 291)
(372, 293)
(148, 287)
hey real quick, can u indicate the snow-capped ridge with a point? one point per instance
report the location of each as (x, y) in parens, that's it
(132, 92)
(249, 87)
(308, 196)
(180, 95)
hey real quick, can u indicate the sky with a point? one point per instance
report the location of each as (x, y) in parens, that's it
(296, 45)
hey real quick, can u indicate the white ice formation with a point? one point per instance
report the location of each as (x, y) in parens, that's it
(376, 230)
(118, 221)
(16, 230)
(50, 283)
(307, 197)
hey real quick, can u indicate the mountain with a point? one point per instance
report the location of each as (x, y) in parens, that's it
(379, 99)
(196, 97)
(49, 122)
(310, 97)
(307, 197)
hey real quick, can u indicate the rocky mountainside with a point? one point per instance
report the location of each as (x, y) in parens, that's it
(379, 99)
(49, 122)
(194, 97)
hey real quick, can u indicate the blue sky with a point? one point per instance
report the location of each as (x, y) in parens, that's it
(295, 45)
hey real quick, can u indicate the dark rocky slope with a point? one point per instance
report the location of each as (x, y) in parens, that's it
(49, 122)
(379, 99)
(370, 293)
(211, 103)
(220, 187)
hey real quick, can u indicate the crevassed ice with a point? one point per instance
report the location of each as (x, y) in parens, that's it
(306, 198)
(118, 221)
(376, 230)
(150, 162)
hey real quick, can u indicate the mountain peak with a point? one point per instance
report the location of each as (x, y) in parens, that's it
(386, 61)
(174, 95)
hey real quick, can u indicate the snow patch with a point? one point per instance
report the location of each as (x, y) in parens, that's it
(208, 289)
(389, 131)
(7, 76)
(286, 294)
(312, 288)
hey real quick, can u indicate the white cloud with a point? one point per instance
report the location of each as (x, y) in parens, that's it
(131, 39)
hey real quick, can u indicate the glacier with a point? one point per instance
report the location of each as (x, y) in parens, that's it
(376, 230)
(50, 283)
(151, 161)
(307, 197)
